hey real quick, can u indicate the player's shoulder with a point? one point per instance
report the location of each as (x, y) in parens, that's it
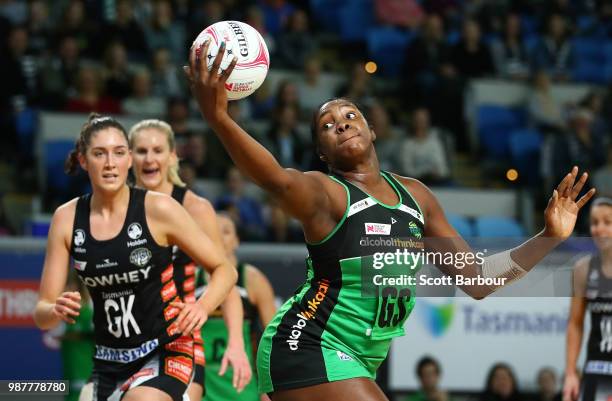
(66, 211)
(197, 205)
(157, 203)
(416, 188)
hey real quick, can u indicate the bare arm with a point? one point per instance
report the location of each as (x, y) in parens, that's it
(55, 305)
(560, 216)
(299, 193)
(173, 225)
(575, 324)
(261, 293)
(204, 215)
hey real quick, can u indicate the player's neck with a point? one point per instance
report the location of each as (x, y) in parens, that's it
(233, 260)
(109, 202)
(366, 173)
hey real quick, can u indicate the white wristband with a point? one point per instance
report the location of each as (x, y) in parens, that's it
(502, 265)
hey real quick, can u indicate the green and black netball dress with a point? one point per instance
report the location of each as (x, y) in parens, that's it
(220, 388)
(332, 329)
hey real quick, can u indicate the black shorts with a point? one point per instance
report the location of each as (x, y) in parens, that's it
(198, 358)
(169, 368)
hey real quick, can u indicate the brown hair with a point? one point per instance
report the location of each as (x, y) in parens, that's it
(95, 123)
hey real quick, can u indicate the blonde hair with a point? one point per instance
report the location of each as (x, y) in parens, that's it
(163, 127)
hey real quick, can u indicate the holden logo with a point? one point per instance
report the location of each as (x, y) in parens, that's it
(140, 257)
(79, 237)
(134, 231)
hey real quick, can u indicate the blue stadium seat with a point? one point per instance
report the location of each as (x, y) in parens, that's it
(495, 123)
(387, 47)
(461, 224)
(589, 49)
(590, 71)
(55, 154)
(357, 16)
(525, 154)
(497, 226)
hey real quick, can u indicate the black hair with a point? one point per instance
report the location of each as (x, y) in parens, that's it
(424, 361)
(95, 123)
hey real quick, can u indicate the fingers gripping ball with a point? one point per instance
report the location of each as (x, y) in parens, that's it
(242, 41)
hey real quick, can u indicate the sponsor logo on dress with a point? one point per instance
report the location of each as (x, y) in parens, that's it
(377, 229)
(141, 373)
(79, 237)
(107, 263)
(134, 231)
(190, 269)
(189, 284)
(184, 345)
(140, 257)
(125, 355)
(138, 242)
(179, 367)
(168, 291)
(414, 229)
(133, 276)
(198, 354)
(172, 330)
(167, 274)
(170, 312)
(308, 314)
(79, 265)
(343, 357)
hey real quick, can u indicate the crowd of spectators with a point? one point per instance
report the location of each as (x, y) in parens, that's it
(124, 57)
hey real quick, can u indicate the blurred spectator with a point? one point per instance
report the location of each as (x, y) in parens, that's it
(262, 102)
(250, 222)
(509, 53)
(286, 95)
(501, 385)
(58, 74)
(593, 102)
(177, 111)
(5, 225)
(358, 87)
(429, 372)
(165, 76)
(126, 30)
(602, 178)
(89, 97)
(163, 32)
(188, 174)
(601, 23)
(282, 227)
(76, 24)
(19, 72)
(578, 147)
(426, 57)
(295, 44)
(544, 110)
(117, 77)
(255, 18)
(422, 154)
(194, 152)
(40, 29)
(406, 14)
(471, 57)
(283, 139)
(554, 53)
(141, 102)
(547, 385)
(276, 14)
(204, 14)
(387, 140)
(312, 90)
(15, 10)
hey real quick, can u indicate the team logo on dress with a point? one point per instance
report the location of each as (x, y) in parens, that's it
(134, 231)
(140, 257)
(80, 265)
(414, 229)
(79, 237)
(343, 357)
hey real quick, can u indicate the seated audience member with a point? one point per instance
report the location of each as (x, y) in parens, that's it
(141, 102)
(89, 97)
(428, 371)
(501, 384)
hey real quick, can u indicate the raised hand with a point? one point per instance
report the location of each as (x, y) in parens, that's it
(562, 210)
(67, 306)
(192, 317)
(208, 87)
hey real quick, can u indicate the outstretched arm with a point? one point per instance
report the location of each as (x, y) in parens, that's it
(560, 216)
(299, 193)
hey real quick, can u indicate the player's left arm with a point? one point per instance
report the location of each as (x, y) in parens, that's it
(172, 225)
(233, 314)
(560, 219)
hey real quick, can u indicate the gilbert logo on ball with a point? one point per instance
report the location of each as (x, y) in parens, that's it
(243, 41)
